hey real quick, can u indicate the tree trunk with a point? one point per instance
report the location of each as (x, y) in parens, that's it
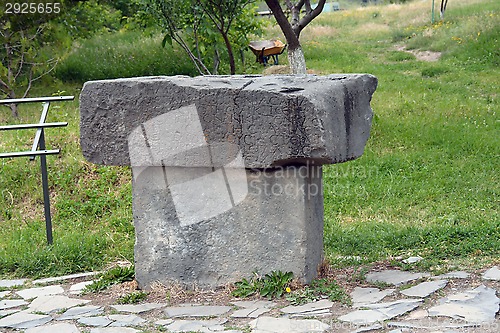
(13, 109)
(297, 60)
(232, 64)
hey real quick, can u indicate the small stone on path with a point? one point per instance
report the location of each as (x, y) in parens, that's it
(362, 296)
(11, 303)
(49, 304)
(24, 320)
(55, 328)
(81, 311)
(12, 283)
(425, 289)
(492, 274)
(413, 260)
(196, 311)
(394, 277)
(286, 325)
(42, 291)
(477, 305)
(138, 308)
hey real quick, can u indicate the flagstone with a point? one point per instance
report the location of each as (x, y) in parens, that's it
(254, 304)
(425, 289)
(55, 328)
(12, 283)
(196, 311)
(204, 326)
(4, 313)
(368, 328)
(81, 311)
(361, 296)
(126, 320)
(249, 312)
(492, 274)
(476, 305)
(452, 275)
(4, 293)
(114, 330)
(309, 307)
(11, 303)
(78, 287)
(394, 277)
(285, 325)
(65, 277)
(138, 308)
(24, 320)
(380, 311)
(49, 304)
(41, 291)
(98, 321)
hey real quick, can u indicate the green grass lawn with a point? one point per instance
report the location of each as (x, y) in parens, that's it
(427, 184)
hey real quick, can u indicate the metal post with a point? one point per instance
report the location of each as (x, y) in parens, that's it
(45, 185)
(432, 12)
(38, 148)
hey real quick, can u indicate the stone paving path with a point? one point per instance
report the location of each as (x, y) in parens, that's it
(408, 302)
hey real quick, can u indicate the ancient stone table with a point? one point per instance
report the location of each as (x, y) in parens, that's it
(227, 176)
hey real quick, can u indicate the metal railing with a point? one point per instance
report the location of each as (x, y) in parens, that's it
(38, 148)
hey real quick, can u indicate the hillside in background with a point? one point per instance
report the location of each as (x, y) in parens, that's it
(427, 184)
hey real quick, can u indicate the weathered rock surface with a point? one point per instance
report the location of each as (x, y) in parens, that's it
(272, 119)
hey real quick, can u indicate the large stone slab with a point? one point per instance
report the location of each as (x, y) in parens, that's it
(272, 119)
(278, 225)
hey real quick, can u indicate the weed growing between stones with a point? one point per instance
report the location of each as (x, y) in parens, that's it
(133, 298)
(317, 290)
(272, 285)
(113, 276)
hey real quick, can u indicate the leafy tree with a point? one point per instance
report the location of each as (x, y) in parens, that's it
(202, 27)
(21, 38)
(292, 27)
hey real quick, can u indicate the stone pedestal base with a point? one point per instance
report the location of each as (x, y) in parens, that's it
(211, 227)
